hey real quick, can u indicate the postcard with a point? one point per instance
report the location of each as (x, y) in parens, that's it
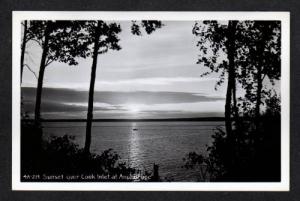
(176, 101)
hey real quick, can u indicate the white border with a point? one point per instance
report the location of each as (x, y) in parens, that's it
(284, 17)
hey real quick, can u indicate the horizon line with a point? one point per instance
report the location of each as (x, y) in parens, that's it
(129, 119)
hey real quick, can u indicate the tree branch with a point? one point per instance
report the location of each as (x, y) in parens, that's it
(263, 77)
(30, 57)
(49, 61)
(31, 71)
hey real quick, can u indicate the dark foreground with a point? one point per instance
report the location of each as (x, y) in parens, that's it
(253, 156)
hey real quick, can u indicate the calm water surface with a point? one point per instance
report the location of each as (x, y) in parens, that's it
(143, 143)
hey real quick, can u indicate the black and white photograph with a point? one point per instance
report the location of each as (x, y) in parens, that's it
(147, 100)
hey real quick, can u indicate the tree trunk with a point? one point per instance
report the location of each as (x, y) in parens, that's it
(235, 108)
(231, 77)
(228, 110)
(260, 52)
(91, 92)
(23, 48)
(41, 75)
(258, 95)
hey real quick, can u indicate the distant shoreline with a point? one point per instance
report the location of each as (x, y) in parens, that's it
(132, 120)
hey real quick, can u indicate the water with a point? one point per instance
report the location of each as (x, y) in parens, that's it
(143, 143)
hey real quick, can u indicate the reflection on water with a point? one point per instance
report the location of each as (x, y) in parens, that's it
(134, 146)
(141, 144)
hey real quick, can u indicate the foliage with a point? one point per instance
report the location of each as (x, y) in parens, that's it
(66, 41)
(256, 44)
(149, 26)
(211, 41)
(61, 41)
(273, 105)
(261, 57)
(63, 151)
(215, 162)
(107, 36)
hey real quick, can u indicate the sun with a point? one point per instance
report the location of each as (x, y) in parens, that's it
(133, 109)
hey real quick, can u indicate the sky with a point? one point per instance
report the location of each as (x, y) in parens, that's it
(152, 76)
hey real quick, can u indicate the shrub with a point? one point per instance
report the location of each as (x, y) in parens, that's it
(252, 155)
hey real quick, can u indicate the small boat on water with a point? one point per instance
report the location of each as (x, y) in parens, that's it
(134, 129)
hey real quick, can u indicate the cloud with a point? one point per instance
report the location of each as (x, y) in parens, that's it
(149, 67)
(114, 97)
(102, 110)
(133, 84)
(139, 103)
(155, 81)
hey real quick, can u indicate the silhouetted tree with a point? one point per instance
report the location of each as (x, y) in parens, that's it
(253, 53)
(231, 84)
(61, 41)
(262, 50)
(25, 40)
(249, 51)
(104, 37)
(217, 46)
